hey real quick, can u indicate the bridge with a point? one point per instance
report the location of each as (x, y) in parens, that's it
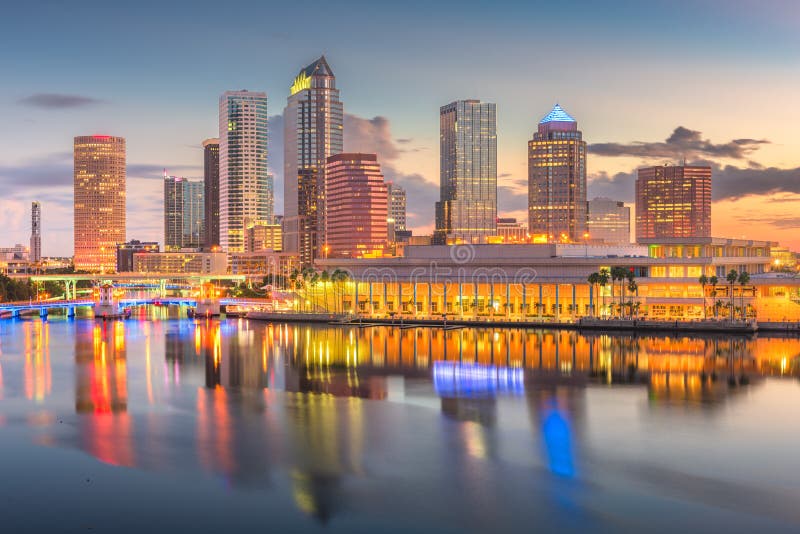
(162, 281)
(15, 309)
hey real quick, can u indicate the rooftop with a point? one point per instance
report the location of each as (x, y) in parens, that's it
(557, 115)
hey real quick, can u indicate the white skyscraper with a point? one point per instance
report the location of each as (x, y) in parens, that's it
(245, 186)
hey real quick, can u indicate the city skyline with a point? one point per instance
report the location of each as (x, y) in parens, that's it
(627, 123)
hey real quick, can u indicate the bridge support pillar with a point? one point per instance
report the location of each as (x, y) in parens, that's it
(207, 308)
(71, 312)
(43, 313)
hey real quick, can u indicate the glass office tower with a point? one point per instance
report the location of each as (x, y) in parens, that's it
(313, 125)
(467, 209)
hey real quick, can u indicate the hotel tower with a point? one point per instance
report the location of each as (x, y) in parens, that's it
(467, 209)
(312, 131)
(99, 201)
(245, 186)
(557, 180)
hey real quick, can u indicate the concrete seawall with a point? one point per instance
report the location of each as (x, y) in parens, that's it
(705, 326)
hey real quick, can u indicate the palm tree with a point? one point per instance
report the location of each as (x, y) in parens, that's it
(338, 276)
(324, 277)
(602, 279)
(703, 283)
(593, 280)
(633, 287)
(744, 279)
(713, 281)
(732, 277)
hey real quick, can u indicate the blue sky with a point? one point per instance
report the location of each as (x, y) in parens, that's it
(628, 71)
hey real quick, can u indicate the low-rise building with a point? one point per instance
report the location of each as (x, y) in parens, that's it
(519, 282)
(181, 262)
(125, 252)
(264, 263)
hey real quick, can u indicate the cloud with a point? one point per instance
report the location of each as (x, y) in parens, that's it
(621, 186)
(58, 101)
(372, 136)
(46, 171)
(731, 182)
(682, 143)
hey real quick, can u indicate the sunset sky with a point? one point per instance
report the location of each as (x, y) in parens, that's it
(716, 81)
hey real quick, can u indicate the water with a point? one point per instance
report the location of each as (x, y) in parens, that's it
(233, 426)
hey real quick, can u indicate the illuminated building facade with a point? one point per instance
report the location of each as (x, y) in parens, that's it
(397, 209)
(245, 186)
(467, 207)
(125, 252)
(608, 221)
(184, 213)
(35, 255)
(262, 235)
(549, 281)
(557, 179)
(181, 262)
(99, 201)
(211, 193)
(509, 230)
(313, 125)
(673, 202)
(357, 206)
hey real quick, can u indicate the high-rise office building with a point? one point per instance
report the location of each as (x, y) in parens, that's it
(557, 179)
(211, 194)
(245, 187)
(397, 206)
(312, 126)
(357, 206)
(673, 202)
(608, 221)
(467, 207)
(35, 255)
(184, 213)
(99, 201)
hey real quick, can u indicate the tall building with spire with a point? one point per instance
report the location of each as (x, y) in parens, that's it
(211, 192)
(467, 209)
(35, 255)
(99, 201)
(245, 186)
(557, 179)
(313, 127)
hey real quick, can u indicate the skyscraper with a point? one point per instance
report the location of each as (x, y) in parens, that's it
(245, 186)
(467, 209)
(557, 179)
(184, 213)
(35, 255)
(608, 220)
(211, 194)
(99, 199)
(313, 123)
(673, 202)
(357, 206)
(397, 206)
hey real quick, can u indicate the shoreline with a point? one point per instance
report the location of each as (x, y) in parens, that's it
(589, 324)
